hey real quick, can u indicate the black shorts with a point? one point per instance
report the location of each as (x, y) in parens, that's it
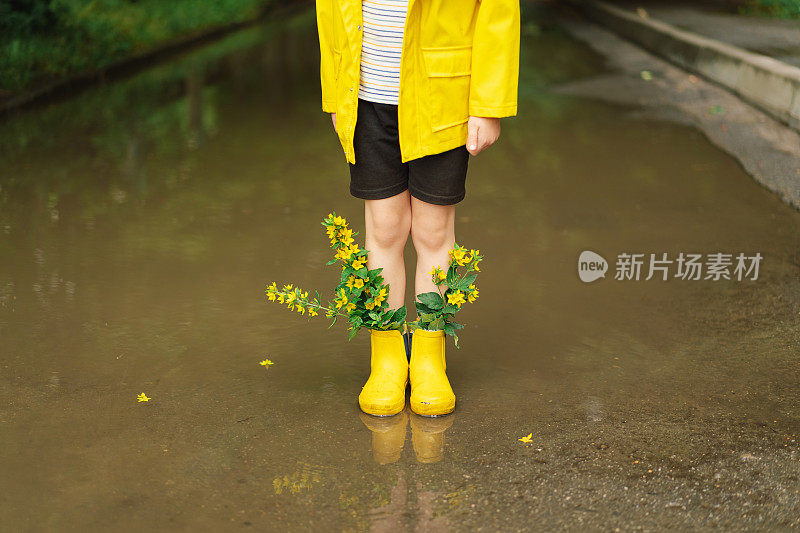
(379, 172)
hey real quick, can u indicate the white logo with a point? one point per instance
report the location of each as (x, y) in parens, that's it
(591, 266)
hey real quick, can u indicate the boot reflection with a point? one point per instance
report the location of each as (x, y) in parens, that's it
(427, 435)
(388, 436)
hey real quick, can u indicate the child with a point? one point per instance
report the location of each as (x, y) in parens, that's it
(413, 88)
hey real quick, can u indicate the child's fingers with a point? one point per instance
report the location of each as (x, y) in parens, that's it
(472, 138)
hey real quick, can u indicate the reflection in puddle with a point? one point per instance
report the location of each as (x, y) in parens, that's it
(389, 436)
(301, 480)
(140, 221)
(402, 514)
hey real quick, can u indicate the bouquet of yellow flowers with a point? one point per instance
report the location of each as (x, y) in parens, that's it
(436, 310)
(361, 293)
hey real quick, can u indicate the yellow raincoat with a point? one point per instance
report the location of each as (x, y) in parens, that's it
(459, 58)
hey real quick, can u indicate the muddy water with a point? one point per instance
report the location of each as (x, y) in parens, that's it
(141, 220)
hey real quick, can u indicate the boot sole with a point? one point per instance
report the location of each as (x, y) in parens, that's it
(382, 412)
(434, 415)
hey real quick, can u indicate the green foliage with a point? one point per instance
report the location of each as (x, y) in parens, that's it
(436, 310)
(41, 40)
(361, 294)
(785, 9)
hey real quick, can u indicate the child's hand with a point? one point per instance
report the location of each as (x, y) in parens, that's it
(482, 133)
(333, 119)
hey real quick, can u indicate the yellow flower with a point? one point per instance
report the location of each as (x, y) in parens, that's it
(266, 362)
(358, 283)
(369, 305)
(349, 282)
(301, 309)
(380, 297)
(341, 300)
(359, 263)
(280, 298)
(271, 296)
(350, 308)
(437, 274)
(312, 311)
(339, 221)
(527, 438)
(291, 297)
(459, 255)
(346, 252)
(346, 236)
(143, 397)
(474, 294)
(475, 256)
(456, 298)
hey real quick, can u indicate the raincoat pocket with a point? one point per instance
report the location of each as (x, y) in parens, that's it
(448, 70)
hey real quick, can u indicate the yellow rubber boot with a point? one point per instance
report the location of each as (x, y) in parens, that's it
(384, 394)
(431, 394)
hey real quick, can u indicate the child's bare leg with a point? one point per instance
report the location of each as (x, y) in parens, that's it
(388, 223)
(433, 234)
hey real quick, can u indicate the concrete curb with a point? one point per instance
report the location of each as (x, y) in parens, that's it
(763, 81)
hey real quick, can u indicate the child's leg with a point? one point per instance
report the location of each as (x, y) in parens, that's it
(433, 234)
(388, 223)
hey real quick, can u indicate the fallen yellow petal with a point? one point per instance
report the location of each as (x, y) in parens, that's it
(143, 398)
(266, 362)
(527, 438)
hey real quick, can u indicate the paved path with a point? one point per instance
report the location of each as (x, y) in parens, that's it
(772, 37)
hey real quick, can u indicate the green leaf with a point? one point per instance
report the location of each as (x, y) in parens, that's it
(428, 317)
(423, 309)
(436, 325)
(452, 277)
(449, 329)
(431, 299)
(399, 314)
(332, 261)
(450, 309)
(467, 281)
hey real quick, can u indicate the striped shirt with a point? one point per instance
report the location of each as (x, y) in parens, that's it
(381, 45)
